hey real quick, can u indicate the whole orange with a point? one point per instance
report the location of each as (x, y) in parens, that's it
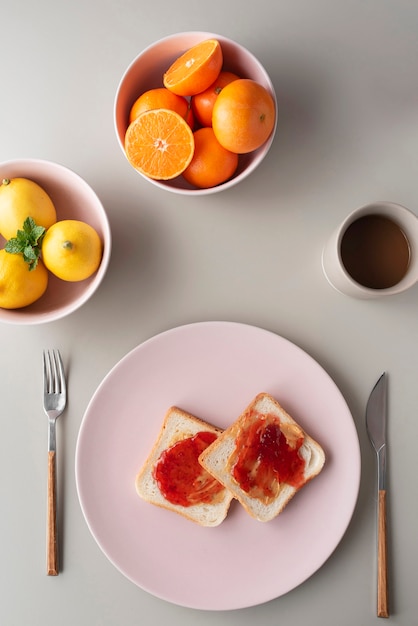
(202, 103)
(162, 98)
(243, 116)
(211, 164)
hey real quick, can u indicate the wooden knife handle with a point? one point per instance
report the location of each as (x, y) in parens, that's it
(382, 580)
(51, 540)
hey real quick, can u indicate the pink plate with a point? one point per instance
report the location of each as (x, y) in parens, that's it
(213, 370)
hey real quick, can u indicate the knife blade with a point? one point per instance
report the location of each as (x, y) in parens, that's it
(376, 419)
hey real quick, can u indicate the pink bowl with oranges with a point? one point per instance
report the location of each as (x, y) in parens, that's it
(146, 72)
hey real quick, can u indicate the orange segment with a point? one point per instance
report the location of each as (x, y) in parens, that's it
(196, 69)
(159, 144)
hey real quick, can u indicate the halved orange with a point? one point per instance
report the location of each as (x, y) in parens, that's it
(195, 69)
(159, 143)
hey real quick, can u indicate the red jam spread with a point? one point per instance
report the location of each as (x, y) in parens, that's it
(179, 475)
(265, 457)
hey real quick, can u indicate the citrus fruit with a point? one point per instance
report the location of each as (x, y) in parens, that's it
(159, 144)
(21, 198)
(162, 98)
(195, 69)
(202, 103)
(71, 250)
(243, 116)
(211, 164)
(19, 286)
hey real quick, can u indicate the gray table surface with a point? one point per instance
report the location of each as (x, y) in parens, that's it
(345, 75)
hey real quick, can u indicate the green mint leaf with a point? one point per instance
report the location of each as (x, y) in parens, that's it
(21, 236)
(27, 242)
(37, 233)
(14, 246)
(28, 225)
(31, 231)
(30, 255)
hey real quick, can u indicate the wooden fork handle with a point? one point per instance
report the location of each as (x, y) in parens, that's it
(52, 543)
(382, 581)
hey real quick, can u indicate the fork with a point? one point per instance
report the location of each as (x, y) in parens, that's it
(55, 400)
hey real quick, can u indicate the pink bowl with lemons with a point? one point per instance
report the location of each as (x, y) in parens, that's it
(73, 199)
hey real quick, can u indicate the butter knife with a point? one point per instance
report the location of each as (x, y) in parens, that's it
(376, 416)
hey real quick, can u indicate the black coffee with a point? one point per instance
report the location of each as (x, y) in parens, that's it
(375, 252)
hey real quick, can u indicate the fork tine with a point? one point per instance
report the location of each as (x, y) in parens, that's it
(47, 370)
(61, 375)
(54, 376)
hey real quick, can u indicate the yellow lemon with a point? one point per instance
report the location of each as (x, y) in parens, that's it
(72, 250)
(19, 286)
(21, 198)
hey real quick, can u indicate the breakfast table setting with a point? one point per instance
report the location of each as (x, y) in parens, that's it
(284, 266)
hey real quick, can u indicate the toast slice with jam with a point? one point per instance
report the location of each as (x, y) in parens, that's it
(264, 458)
(172, 476)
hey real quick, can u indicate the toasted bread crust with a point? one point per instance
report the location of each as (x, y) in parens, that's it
(216, 458)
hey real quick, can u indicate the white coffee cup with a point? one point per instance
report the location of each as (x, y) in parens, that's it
(336, 264)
